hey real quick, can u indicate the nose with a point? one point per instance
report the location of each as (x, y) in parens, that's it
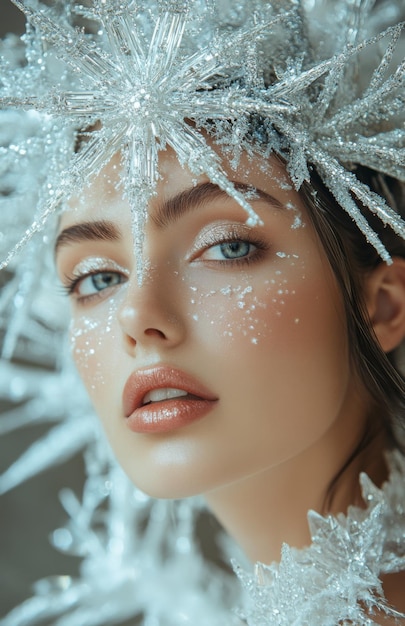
(150, 315)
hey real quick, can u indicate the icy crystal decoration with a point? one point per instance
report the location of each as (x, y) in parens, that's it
(141, 95)
(43, 398)
(145, 82)
(139, 558)
(336, 580)
(151, 74)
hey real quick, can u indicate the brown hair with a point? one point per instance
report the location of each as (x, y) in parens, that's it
(351, 258)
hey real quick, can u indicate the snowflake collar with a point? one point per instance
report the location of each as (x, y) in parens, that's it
(336, 580)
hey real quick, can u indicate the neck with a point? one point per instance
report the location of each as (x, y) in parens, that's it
(270, 508)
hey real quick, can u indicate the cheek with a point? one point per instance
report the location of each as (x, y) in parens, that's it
(251, 310)
(229, 313)
(93, 340)
(274, 333)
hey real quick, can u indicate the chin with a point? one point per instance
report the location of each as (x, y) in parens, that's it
(164, 487)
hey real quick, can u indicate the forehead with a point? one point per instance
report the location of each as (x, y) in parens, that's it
(104, 198)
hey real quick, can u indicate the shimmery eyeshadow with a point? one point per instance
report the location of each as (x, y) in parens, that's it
(94, 264)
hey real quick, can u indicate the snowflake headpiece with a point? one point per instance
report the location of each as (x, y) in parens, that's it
(325, 92)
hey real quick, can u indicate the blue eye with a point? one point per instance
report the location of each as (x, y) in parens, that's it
(235, 249)
(98, 282)
(229, 250)
(95, 283)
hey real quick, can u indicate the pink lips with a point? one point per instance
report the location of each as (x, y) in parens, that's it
(164, 415)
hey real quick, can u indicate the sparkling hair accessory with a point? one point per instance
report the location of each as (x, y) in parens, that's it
(264, 77)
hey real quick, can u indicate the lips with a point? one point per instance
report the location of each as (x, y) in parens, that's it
(160, 399)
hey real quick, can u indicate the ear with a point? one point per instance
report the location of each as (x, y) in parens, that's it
(385, 299)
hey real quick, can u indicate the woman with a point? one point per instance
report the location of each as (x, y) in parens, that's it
(250, 361)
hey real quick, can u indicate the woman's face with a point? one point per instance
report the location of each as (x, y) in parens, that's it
(247, 321)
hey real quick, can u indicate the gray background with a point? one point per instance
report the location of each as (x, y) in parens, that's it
(10, 18)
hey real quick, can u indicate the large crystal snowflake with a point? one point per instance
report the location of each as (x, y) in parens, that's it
(142, 95)
(144, 82)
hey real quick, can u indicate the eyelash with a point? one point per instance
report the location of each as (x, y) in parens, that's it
(260, 244)
(71, 283)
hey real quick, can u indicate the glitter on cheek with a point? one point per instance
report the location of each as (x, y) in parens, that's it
(194, 302)
(251, 310)
(230, 311)
(82, 333)
(298, 221)
(92, 344)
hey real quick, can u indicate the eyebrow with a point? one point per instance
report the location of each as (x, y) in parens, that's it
(172, 209)
(168, 212)
(87, 231)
